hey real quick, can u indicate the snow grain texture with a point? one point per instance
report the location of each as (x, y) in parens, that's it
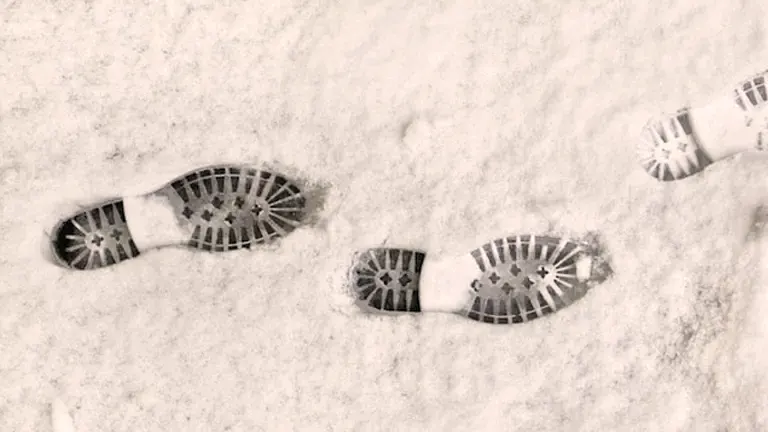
(436, 126)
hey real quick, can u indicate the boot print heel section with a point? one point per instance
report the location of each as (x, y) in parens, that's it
(387, 280)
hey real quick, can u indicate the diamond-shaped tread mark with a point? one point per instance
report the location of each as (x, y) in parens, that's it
(97, 239)
(515, 270)
(404, 279)
(494, 278)
(386, 279)
(257, 210)
(217, 202)
(542, 272)
(187, 212)
(527, 283)
(239, 202)
(230, 218)
(116, 234)
(207, 215)
(507, 288)
(682, 146)
(476, 285)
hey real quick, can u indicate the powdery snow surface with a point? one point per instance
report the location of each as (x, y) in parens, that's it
(431, 125)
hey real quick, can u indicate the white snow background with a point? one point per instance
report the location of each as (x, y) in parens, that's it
(422, 124)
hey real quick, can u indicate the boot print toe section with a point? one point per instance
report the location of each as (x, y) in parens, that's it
(94, 238)
(669, 149)
(523, 278)
(231, 207)
(387, 280)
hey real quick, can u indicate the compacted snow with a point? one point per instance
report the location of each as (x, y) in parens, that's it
(430, 125)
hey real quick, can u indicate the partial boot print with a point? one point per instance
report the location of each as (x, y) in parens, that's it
(94, 238)
(751, 95)
(387, 279)
(216, 208)
(670, 150)
(676, 146)
(507, 281)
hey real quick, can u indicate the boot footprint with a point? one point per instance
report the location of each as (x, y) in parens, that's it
(673, 147)
(216, 208)
(507, 281)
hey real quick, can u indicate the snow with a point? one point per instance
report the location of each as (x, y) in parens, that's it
(60, 419)
(431, 125)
